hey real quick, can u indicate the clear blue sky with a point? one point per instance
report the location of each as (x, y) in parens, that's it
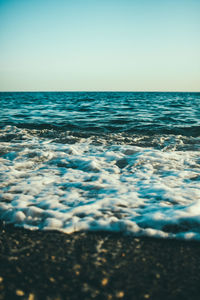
(130, 45)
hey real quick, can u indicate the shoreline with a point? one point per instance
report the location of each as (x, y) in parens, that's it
(96, 265)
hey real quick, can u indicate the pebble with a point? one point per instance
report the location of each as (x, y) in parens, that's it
(103, 259)
(104, 281)
(120, 294)
(77, 267)
(19, 293)
(31, 296)
(85, 287)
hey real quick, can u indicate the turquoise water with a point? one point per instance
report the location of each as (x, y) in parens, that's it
(101, 161)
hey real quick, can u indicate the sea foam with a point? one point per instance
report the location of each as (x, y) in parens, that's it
(100, 183)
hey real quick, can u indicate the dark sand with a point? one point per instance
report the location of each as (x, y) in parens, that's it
(53, 265)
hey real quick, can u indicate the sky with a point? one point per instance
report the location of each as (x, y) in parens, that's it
(99, 45)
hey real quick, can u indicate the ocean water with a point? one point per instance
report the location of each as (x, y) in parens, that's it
(127, 162)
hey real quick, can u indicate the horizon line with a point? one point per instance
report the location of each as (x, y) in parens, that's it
(98, 91)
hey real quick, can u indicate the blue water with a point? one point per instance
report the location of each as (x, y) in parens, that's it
(117, 161)
(101, 113)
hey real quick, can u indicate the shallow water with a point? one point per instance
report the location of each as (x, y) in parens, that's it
(101, 161)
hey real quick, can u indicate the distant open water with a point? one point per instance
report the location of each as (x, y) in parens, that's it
(125, 162)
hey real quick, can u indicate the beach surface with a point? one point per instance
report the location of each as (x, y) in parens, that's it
(96, 265)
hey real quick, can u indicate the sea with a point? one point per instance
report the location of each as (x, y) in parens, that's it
(124, 162)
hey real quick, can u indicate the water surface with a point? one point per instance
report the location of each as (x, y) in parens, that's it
(101, 161)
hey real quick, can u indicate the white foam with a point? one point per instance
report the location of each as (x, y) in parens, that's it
(144, 191)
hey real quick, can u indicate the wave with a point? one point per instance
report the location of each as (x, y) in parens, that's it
(135, 113)
(70, 181)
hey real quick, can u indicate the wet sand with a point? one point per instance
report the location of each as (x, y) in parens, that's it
(96, 265)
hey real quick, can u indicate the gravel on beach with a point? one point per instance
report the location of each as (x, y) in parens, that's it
(49, 265)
